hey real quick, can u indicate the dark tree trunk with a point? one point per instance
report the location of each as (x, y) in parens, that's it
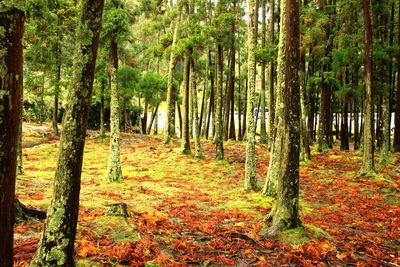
(102, 130)
(12, 22)
(62, 215)
(185, 101)
(56, 97)
(144, 121)
(344, 129)
(263, 126)
(396, 141)
(180, 120)
(244, 124)
(211, 107)
(152, 119)
(271, 105)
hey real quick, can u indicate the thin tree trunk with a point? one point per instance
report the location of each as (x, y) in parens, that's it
(396, 141)
(185, 123)
(193, 80)
(152, 119)
(263, 127)
(11, 19)
(62, 215)
(114, 170)
(171, 91)
(102, 130)
(271, 105)
(218, 124)
(250, 182)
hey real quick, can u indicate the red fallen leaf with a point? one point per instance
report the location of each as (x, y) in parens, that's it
(31, 168)
(36, 196)
(225, 260)
(86, 248)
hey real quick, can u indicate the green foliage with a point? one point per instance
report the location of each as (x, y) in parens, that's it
(152, 86)
(116, 20)
(128, 79)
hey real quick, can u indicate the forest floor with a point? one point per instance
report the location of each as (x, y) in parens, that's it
(194, 212)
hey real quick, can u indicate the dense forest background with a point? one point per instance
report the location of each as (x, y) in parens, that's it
(274, 89)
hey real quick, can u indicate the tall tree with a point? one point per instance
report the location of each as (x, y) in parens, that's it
(271, 69)
(263, 126)
(368, 164)
(171, 91)
(56, 247)
(250, 167)
(11, 81)
(116, 30)
(284, 212)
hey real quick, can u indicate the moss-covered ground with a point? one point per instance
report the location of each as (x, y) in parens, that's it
(194, 212)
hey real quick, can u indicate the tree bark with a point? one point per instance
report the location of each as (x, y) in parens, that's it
(11, 82)
(219, 141)
(102, 130)
(193, 82)
(396, 141)
(368, 164)
(114, 170)
(271, 105)
(263, 127)
(56, 247)
(285, 211)
(250, 182)
(185, 122)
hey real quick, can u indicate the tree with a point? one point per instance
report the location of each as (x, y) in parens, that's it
(285, 209)
(263, 126)
(250, 171)
(56, 247)
(368, 164)
(116, 30)
(171, 92)
(11, 82)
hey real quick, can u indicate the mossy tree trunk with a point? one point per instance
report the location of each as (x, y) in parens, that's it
(171, 91)
(218, 124)
(263, 126)
(271, 104)
(250, 182)
(284, 212)
(368, 164)
(271, 183)
(11, 82)
(56, 247)
(114, 170)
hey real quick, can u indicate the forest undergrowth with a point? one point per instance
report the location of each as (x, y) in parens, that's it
(184, 211)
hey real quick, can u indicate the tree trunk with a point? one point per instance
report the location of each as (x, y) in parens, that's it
(244, 124)
(271, 105)
(185, 122)
(250, 182)
(344, 129)
(212, 97)
(219, 142)
(12, 22)
(271, 183)
(152, 119)
(263, 127)
(114, 170)
(368, 165)
(284, 212)
(144, 121)
(193, 85)
(102, 130)
(56, 247)
(396, 141)
(180, 120)
(171, 91)
(239, 104)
